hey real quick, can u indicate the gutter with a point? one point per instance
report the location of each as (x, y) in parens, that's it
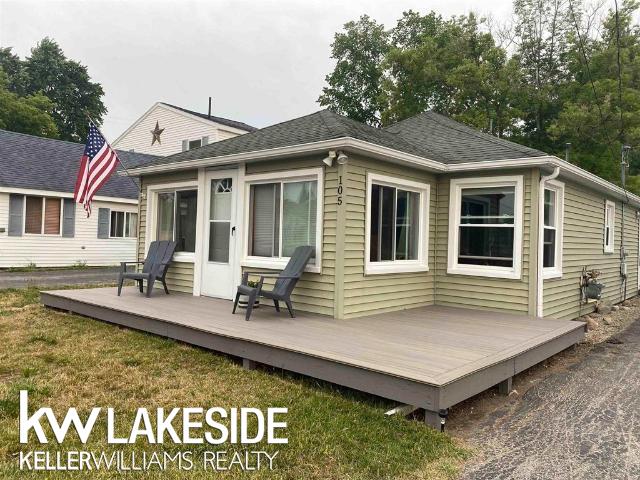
(540, 269)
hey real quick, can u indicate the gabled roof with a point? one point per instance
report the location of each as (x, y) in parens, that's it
(37, 163)
(452, 142)
(428, 135)
(220, 120)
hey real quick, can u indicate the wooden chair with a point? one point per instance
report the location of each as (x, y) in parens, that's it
(284, 285)
(154, 267)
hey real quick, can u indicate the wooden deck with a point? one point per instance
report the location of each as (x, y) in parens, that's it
(431, 357)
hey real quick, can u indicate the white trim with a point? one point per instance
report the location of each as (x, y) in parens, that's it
(51, 193)
(278, 263)
(151, 220)
(455, 198)
(198, 257)
(558, 188)
(611, 222)
(399, 266)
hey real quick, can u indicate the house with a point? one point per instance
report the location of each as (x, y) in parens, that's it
(423, 212)
(166, 129)
(41, 225)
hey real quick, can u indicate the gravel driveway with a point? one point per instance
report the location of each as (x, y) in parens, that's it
(580, 424)
(52, 278)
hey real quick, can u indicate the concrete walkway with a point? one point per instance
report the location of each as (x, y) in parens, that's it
(51, 278)
(580, 424)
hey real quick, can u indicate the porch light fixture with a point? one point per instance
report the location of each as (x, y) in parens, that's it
(328, 160)
(342, 158)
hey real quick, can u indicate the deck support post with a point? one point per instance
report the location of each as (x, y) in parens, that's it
(248, 364)
(432, 419)
(505, 387)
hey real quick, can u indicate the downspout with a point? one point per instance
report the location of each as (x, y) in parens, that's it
(540, 279)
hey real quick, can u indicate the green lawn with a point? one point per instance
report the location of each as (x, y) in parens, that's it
(67, 360)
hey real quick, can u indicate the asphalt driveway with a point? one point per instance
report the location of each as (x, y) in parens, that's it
(52, 278)
(580, 424)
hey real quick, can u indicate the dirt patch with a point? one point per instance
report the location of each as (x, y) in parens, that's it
(464, 418)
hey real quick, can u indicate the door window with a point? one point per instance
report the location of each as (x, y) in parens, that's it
(220, 219)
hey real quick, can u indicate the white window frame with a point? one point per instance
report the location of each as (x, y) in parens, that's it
(152, 215)
(455, 199)
(609, 220)
(290, 176)
(558, 188)
(127, 214)
(24, 217)
(421, 264)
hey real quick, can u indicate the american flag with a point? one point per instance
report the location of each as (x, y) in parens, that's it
(98, 162)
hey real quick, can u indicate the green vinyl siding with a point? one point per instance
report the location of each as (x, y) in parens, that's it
(180, 274)
(475, 291)
(583, 238)
(369, 294)
(315, 291)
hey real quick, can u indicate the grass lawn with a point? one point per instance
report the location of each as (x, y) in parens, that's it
(67, 360)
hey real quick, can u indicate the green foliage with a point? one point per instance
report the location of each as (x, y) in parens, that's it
(538, 92)
(49, 73)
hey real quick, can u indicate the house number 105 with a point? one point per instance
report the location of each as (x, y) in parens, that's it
(339, 189)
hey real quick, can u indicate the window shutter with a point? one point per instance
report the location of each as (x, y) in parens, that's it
(16, 207)
(68, 218)
(185, 145)
(103, 222)
(205, 140)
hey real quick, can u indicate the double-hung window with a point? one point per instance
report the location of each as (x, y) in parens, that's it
(42, 215)
(123, 224)
(284, 213)
(609, 226)
(176, 218)
(485, 227)
(397, 225)
(551, 229)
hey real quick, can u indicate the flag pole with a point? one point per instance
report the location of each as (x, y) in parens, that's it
(117, 156)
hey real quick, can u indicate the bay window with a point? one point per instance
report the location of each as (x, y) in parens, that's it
(176, 218)
(283, 214)
(397, 225)
(551, 229)
(485, 227)
(42, 215)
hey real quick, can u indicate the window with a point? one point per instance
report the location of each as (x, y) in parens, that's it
(195, 143)
(176, 218)
(283, 214)
(553, 201)
(485, 228)
(42, 215)
(609, 226)
(220, 211)
(123, 224)
(283, 217)
(397, 217)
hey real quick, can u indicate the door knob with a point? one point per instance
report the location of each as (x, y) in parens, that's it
(233, 231)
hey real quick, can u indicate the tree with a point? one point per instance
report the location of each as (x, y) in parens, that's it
(355, 85)
(30, 114)
(68, 85)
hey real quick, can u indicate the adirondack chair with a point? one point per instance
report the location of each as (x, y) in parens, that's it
(284, 285)
(154, 267)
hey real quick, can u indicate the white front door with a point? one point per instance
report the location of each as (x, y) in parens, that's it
(220, 235)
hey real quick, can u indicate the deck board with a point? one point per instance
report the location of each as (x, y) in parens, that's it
(433, 345)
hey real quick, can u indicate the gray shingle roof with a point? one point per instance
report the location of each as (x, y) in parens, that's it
(449, 141)
(428, 135)
(40, 163)
(220, 120)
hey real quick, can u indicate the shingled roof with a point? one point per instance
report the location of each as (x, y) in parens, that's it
(220, 120)
(38, 163)
(429, 135)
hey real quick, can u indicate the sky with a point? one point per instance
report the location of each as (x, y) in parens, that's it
(263, 61)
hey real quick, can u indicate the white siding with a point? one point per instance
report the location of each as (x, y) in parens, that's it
(54, 251)
(177, 127)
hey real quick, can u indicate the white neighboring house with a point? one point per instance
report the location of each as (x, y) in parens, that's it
(179, 130)
(39, 222)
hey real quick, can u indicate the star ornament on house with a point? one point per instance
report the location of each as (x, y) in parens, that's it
(156, 132)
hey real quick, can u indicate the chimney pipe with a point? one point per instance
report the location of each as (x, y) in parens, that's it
(209, 114)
